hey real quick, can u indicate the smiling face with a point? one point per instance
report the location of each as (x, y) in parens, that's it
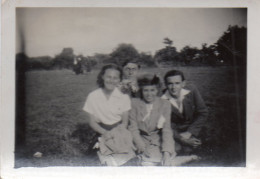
(174, 85)
(149, 93)
(111, 79)
(130, 70)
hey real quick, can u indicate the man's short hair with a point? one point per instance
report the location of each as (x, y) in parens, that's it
(173, 73)
(134, 61)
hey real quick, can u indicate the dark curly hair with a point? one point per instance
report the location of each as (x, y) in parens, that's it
(100, 81)
(148, 79)
(173, 73)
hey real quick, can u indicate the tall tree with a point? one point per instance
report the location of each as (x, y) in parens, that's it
(64, 59)
(189, 54)
(146, 59)
(232, 46)
(101, 58)
(123, 53)
(168, 42)
(167, 54)
(207, 55)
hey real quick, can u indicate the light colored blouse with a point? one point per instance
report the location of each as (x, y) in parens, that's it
(107, 111)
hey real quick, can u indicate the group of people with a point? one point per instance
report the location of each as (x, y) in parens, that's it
(138, 121)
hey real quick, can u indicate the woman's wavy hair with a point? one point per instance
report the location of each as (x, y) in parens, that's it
(147, 80)
(100, 81)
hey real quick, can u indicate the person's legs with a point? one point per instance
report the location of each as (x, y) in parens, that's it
(180, 160)
(143, 163)
(182, 149)
(152, 156)
(178, 147)
(183, 155)
(133, 162)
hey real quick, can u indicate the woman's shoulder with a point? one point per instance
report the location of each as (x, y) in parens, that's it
(95, 93)
(136, 101)
(163, 106)
(163, 101)
(159, 101)
(120, 94)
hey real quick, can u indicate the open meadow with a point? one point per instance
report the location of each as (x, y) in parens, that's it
(57, 127)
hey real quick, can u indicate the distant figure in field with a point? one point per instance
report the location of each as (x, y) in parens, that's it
(88, 67)
(107, 110)
(189, 112)
(129, 83)
(150, 124)
(77, 65)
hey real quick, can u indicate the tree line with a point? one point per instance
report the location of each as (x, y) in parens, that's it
(230, 49)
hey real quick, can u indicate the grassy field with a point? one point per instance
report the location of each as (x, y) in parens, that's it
(56, 125)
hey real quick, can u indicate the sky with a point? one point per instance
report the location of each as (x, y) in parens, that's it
(46, 31)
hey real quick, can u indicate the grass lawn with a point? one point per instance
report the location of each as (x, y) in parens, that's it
(56, 125)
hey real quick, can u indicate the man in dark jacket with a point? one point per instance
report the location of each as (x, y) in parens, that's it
(189, 112)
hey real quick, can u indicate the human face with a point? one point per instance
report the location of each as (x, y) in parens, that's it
(174, 85)
(149, 93)
(111, 79)
(130, 70)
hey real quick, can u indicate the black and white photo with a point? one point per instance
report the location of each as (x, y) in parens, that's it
(60, 53)
(100, 89)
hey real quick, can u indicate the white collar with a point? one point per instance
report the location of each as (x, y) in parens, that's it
(183, 93)
(173, 101)
(115, 93)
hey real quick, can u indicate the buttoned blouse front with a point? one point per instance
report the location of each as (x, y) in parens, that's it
(107, 110)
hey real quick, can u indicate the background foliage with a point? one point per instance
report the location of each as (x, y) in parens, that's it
(229, 50)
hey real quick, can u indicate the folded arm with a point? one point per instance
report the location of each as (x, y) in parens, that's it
(125, 119)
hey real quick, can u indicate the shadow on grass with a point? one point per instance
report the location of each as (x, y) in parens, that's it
(87, 138)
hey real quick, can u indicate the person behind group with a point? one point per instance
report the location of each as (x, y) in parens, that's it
(150, 124)
(77, 65)
(107, 110)
(129, 83)
(189, 112)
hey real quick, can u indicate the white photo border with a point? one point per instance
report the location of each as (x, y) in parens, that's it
(252, 169)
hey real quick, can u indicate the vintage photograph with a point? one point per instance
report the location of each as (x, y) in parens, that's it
(118, 86)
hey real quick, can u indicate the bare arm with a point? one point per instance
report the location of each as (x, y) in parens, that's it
(95, 126)
(125, 119)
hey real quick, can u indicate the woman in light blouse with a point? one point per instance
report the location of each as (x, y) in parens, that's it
(107, 110)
